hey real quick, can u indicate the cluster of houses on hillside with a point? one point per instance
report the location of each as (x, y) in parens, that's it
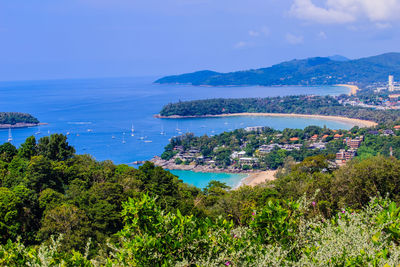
(315, 142)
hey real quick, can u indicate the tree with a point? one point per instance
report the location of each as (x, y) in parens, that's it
(55, 147)
(28, 149)
(9, 224)
(7, 152)
(69, 221)
(40, 175)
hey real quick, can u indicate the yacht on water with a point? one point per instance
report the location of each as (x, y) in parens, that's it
(123, 138)
(162, 130)
(9, 135)
(132, 131)
(38, 132)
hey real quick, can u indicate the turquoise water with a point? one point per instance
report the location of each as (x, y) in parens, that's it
(93, 111)
(201, 179)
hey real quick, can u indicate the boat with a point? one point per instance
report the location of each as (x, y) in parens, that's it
(123, 138)
(177, 128)
(113, 137)
(9, 135)
(148, 141)
(89, 130)
(68, 133)
(162, 130)
(77, 134)
(132, 131)
(38, 132)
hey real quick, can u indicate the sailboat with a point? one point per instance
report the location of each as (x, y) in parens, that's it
(132, 131)
(38, 132)
(123, 138)
(162, 130)
(177, 128)
(9, 135)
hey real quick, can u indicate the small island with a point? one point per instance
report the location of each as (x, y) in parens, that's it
(17, 120)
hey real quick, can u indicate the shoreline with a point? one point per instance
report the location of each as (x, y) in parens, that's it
(355, 122)
(257, 178)
(353, 88)
(253, 178)
(21, 125)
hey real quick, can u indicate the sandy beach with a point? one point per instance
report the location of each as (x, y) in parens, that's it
(353, 88)
(355, 122)
(259, 177)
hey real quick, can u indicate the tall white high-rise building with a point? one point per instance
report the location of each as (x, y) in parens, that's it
(391, 83)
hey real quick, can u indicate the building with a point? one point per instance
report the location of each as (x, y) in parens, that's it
(248, 161)
(343, 155)
(265, 149)
(254, 129)
(391, 83)
(353, 143)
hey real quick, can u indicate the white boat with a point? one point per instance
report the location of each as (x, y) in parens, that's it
(148, 141)
(132, 131)
(123, 138)
(9, 135)
(177, 128)
(113, 137)
(162, 130)
(89, 130)
(38, 132)
(68, 133)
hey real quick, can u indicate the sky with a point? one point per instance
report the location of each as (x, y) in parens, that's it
(63, 39)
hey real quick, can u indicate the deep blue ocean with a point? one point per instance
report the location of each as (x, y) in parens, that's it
(98, 114)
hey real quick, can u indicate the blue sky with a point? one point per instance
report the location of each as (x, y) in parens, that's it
(50, 39)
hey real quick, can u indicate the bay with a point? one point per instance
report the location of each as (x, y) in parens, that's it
(98, 114)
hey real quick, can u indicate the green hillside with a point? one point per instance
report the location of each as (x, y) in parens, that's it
(311, 71)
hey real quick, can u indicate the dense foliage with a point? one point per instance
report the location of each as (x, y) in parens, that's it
(318, 105)
(16, 117)
(311, 71)
(62, 209)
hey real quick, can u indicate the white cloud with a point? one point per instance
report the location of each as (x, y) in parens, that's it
(264, 31)
(254, 33)
(294, 39)
(322, 35)
(305, 9)
(383, 25)
(346, 11)
(242, 44)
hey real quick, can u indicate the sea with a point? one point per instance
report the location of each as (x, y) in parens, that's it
(113, 118)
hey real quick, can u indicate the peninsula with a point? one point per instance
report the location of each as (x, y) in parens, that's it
(310, 71)
(324, 107)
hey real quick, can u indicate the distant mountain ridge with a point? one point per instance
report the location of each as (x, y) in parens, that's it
(310, 71)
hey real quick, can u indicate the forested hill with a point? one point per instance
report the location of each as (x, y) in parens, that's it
(311, 105)
(311, 71)
(13, 118)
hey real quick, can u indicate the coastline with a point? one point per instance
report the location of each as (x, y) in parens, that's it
(257, 178)
(21, 125)
(355, 122)
(253, 178)
(353, 88)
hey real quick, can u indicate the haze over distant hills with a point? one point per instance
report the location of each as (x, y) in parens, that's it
(311, 71)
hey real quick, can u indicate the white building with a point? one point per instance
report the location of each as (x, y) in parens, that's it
(391, 83)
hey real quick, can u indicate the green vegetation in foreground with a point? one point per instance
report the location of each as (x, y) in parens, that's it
(16, 117)
(62, 209)
(311, 105)
(311, 71)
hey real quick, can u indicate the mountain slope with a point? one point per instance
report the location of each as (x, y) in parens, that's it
(311, 71)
